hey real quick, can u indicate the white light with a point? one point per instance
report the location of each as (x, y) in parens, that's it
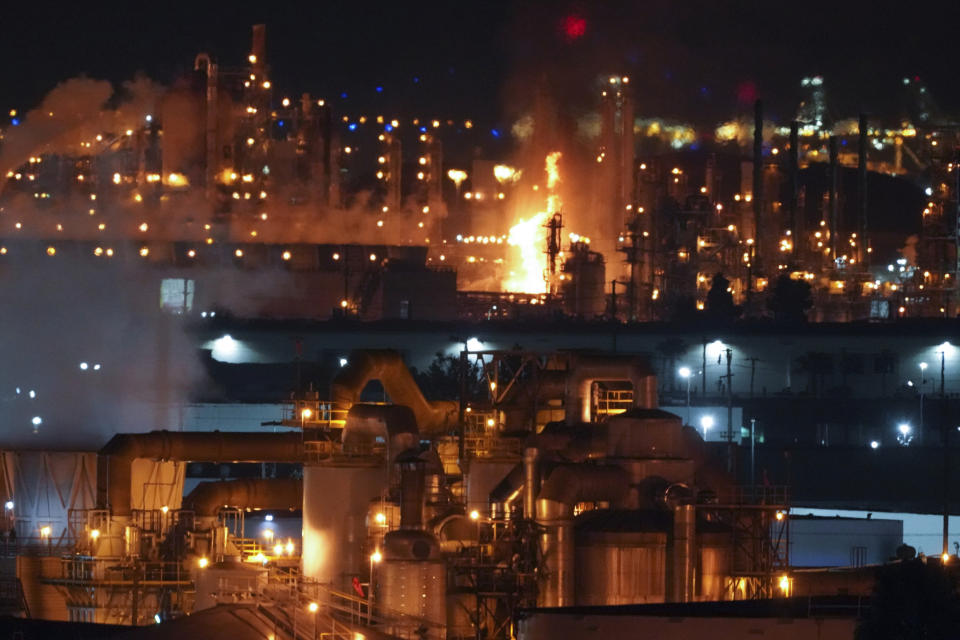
(96, 367)
(923, 366)
(37, 421)
(156, 618)
(343, 362)
(268, 518)
(874, 444)
(224, 347)
(83, 366)
(8, 505)
(946, 349)
(684, 372)
(928, 191)
(32, 393)
(715, 348)
(706, 422)
(904, 428)
(474, 344)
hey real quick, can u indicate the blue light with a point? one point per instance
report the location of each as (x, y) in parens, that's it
(379, 89)
(423, 129)
(495, 133)
(389, 127)
(15, 122)
(352, 126)
(344, 95)
(416, 80)
(280, 123)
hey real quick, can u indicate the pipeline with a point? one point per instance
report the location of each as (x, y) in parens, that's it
(387, 366)
(586, 370)
(117, 456)
(246, 493)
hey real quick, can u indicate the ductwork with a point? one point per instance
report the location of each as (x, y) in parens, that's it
(387, 366)
(567, 486)
(585, 370)
(395, 423)
(116, 458)
(246, 493)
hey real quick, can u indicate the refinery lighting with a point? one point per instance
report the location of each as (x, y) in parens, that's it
(684, 372)
(707, 423)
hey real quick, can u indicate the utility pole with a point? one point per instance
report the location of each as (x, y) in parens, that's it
(945, 429)
(753, 371)
(703, 372)
(730, 447)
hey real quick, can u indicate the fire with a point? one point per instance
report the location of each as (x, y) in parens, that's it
(530, 237)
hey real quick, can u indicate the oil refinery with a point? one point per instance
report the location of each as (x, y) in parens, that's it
(284, 367)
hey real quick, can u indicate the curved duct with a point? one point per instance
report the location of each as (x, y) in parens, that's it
(395, 423)
(388, 367)
(246, 493)
(585, 370)
(567, 486)
(116, 458)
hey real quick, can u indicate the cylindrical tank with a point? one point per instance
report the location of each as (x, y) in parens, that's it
(620, 567)
(715, 556)
(583, 282)
(336, 499)
(412, 578)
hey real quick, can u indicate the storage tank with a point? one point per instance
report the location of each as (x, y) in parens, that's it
(583, 282)
(412, 578)
(715, 557)
(336, 500)
(621, 557)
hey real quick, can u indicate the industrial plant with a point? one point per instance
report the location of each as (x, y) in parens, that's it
(284, 368)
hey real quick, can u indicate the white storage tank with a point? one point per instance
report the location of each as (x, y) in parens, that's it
(412, 579)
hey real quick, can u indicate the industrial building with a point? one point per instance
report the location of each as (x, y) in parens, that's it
(631, 222)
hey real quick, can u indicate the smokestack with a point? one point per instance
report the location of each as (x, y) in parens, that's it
(862, 255)
(757, 180)
(794, 169)
(258, 49)
(834, 209)
(210, 69)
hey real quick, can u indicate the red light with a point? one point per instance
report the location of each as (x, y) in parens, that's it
(573, 27)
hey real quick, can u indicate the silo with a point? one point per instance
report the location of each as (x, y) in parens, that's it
(621, 557)
(583, 282)
(412, 578)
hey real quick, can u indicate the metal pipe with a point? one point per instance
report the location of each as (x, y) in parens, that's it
(116, 458)
(531, 481)
(412, 489)
(246, 493)
(684, 552)
(395, 423)
(388, 367)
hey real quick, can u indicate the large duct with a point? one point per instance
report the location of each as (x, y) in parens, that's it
(387, 366)
(394, 423)
(585, 371)
(567, 486)
(114, 477)
(247, 493)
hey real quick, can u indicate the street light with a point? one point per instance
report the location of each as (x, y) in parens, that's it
(706, 422)
(685, 374)
(904, 435)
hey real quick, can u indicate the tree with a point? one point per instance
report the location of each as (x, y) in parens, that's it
(790, 300)
(720, 301)
(441, 380)
(912, 600)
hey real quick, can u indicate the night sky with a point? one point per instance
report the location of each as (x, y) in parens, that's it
(696, 60)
